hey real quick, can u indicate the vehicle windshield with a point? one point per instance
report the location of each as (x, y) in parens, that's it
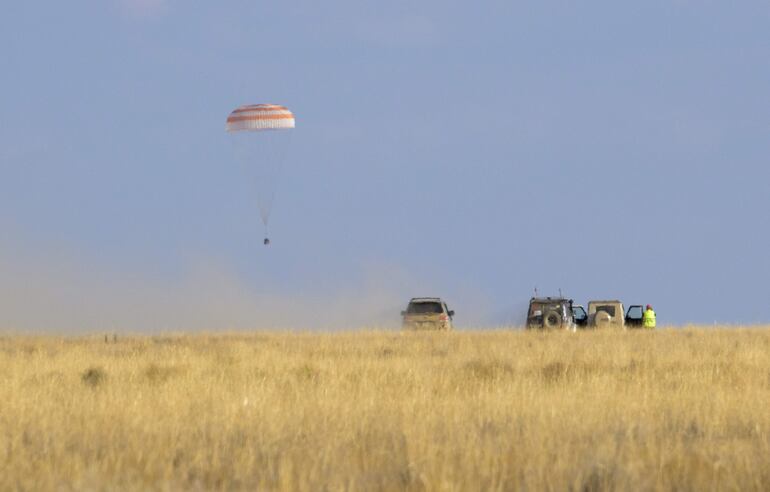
(424, 308)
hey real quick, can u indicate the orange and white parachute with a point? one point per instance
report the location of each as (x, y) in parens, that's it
(256, 117)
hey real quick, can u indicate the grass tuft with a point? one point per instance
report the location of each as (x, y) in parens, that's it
(93, 376)
(157, 374)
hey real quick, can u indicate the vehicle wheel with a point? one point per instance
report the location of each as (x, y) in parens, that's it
(552, 319)
(602, 318)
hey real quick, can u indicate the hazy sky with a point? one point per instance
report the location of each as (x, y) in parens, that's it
(458, 149)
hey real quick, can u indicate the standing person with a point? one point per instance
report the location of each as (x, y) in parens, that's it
(648, 318)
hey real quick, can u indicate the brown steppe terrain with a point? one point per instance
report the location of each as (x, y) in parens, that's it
(675, 409)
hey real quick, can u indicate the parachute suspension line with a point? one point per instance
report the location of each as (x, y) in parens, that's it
(273, 169)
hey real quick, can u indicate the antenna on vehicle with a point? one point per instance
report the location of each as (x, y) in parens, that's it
(535, 291)
(560, 293)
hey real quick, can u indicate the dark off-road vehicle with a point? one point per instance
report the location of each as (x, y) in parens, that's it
(555, 313)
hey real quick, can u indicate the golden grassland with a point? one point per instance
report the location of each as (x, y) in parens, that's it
(684, 409)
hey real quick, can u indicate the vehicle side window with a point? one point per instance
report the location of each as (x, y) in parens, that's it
(579, 313)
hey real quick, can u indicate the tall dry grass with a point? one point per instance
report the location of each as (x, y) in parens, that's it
(669, 410)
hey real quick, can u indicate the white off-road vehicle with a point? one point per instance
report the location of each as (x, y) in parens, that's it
(610, 314)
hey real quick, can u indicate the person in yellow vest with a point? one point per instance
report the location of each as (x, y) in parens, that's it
(648, 318)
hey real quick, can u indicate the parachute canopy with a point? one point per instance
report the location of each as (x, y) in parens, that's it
(257, 117)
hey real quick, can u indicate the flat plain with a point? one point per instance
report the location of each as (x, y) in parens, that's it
(674, 409)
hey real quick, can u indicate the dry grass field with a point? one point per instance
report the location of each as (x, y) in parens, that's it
(497, 410)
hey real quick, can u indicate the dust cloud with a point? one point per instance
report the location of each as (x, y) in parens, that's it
(62, 295)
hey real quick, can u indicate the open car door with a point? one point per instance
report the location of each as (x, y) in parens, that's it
(634, 316)
(580, 316)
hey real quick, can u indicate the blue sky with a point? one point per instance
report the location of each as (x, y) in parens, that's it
(471, 152)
